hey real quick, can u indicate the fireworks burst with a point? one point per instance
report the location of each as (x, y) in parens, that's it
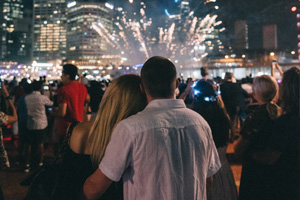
(182, 38)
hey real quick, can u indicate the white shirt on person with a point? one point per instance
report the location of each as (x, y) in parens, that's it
(37, 118)
(164, 152)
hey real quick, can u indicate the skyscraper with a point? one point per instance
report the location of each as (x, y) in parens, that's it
(241, 35)
(50, 29)
(270, 37)
(1, 29)
(85, 45)
(11, 34)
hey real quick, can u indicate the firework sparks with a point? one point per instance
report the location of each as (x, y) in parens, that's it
(185, 37)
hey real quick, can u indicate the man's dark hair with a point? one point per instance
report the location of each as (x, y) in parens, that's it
(204, 71)
(159, 77)
(70, 70)
(36, 85)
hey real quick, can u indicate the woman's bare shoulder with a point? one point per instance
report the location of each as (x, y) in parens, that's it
(79, 137)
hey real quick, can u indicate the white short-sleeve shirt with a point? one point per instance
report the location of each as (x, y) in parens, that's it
(164, 152)
(37, 118)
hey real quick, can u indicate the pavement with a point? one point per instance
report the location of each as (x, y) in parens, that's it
(10, 178)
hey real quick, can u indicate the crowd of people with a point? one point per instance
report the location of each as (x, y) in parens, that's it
(155, 136)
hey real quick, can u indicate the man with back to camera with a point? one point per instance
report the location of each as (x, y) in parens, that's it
(71, 99)
(164, 152)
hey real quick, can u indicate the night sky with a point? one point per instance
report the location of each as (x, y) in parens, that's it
(255, 12)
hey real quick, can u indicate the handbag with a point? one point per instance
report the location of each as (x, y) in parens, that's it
(45, 181)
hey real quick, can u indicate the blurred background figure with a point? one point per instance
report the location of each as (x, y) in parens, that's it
(233, 98)
(204, 73)
(209, 105)
(37, 123)
(255, 182)
(96, 93)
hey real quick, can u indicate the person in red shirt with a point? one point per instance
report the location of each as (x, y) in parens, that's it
(72, 98)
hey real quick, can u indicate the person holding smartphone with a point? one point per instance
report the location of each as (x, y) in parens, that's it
(37, 122)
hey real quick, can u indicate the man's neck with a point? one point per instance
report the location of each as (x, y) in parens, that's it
(149, 98)
(67, 82)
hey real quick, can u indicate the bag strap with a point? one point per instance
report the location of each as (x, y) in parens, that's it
(65, 142)
(70, 131)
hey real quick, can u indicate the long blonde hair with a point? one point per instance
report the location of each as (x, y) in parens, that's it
(266, 89)
(122, 99)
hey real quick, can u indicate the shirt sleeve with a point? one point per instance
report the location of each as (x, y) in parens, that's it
(213, 157)
(61, 97)
(117, 156)
(47, 101)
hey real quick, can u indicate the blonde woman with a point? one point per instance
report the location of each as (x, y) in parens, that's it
(254, 136)
(89, 140)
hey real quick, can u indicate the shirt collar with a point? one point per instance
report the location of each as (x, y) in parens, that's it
(36, 92)
(166, 104)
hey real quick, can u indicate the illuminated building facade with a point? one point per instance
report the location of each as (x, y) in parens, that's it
(50, 29)
(85, 46)
(15, 31)
(1, 28)
(241, 35)
(270, 41)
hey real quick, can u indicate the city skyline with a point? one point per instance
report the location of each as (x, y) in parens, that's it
(222, 35)
(254, 14)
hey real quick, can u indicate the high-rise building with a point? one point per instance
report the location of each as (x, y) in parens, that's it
(50, 29)
(270, 41)
(241, 35)
(86, 20)
(1, 28)
(11, 35)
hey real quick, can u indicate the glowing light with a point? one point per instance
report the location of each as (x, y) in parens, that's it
(110, 6)
(272, 54)
(42, 64)
(226, 56)
(243, 56)
(132, 36)
(196, 92)
(293, 52)
(130, 1)
(294, 8)
(71, 4)
(167, 12)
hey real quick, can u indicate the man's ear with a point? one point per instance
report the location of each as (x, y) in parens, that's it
(68, 76)
(177, 83)
(142, 88)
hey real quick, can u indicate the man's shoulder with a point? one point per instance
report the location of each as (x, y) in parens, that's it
(74, 86)
(184, 116)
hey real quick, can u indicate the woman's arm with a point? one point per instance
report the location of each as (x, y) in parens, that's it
(12, 113)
